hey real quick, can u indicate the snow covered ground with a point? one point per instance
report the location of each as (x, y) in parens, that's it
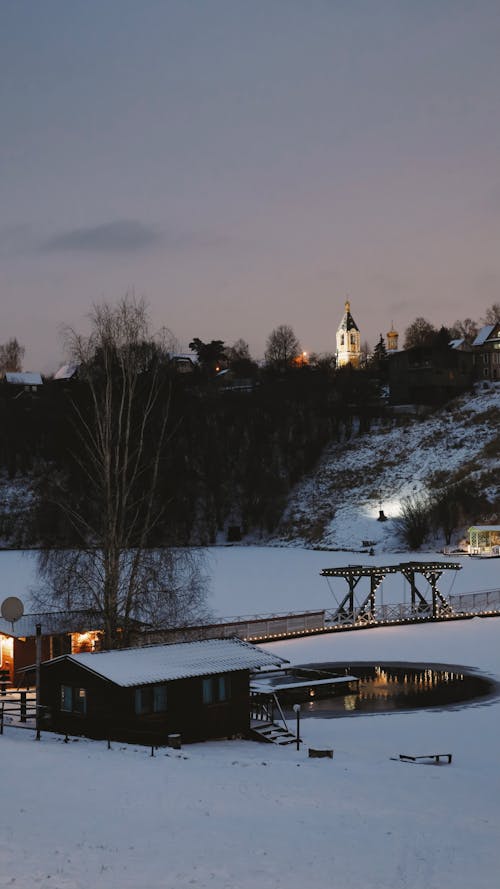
(250, 816)
(254, 580)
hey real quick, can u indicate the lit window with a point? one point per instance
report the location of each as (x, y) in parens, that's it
(80, 701)
(73, 700)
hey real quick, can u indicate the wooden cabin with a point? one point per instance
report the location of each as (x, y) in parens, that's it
(62, 632)
(198, 690)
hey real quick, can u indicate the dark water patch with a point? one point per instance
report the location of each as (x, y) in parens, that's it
(397, 686)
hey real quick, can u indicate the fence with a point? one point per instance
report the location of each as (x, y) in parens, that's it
(18, 709)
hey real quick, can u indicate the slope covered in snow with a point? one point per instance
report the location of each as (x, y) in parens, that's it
(337, 505)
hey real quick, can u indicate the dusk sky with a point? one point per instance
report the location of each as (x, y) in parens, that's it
(247, 163)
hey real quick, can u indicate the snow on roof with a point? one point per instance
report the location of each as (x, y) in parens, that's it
(484, 528)
(66, 372)
(162, 663)
(455, 344)
(483, 334)
(24, 379)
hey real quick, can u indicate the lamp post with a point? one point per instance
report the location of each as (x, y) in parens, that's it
(296, 708)
(37, 683)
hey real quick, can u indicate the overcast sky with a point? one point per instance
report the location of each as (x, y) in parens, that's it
(247, 163)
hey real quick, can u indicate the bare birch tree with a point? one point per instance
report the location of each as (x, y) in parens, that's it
(11, 356)
(122, 429)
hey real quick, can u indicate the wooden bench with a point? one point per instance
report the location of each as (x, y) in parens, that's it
(314, 753)
(432, 757)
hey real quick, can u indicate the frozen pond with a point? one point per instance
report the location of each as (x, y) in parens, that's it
(393, 686)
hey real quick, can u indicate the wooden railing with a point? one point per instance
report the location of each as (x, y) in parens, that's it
(17, 709)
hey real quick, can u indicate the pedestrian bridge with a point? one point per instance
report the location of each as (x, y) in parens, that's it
(361, 607)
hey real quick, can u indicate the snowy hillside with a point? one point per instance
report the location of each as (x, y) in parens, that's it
(338, 505)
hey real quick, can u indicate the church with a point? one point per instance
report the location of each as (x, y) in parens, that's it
(348, 340)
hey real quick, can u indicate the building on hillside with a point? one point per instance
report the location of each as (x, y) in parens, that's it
(198, 690)
(429, 374)
(61, 631)
(484, 540)
(67, 372)
(486, 350)
(185, 363)
(27, 382)
(348, 340)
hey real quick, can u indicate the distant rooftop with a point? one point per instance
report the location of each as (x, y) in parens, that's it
(66, 372)
(24, 379)
(483, 334)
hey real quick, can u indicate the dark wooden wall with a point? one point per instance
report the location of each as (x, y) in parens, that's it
(111, 708)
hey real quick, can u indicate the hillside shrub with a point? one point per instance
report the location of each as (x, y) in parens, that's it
(415, 521)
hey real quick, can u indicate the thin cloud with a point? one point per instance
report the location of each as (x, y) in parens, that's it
(119, 236)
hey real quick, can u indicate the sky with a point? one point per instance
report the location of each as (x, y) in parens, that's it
(244, 165)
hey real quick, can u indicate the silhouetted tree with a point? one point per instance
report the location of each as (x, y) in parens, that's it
(210, 355)
(121, 429)
(239, 359)
(492, 314)
(11, 356)
(420, 333)
(466, 329)
(282, 347)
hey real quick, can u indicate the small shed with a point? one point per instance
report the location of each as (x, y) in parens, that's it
(484, 540)
(199, 690)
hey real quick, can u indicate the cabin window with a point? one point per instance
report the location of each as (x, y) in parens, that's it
(73, 700)
(216, 689)
(150, 699)
(66, 698)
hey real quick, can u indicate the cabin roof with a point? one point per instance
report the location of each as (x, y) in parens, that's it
(163, 663)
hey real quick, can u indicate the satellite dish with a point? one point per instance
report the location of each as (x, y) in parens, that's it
(12, 609)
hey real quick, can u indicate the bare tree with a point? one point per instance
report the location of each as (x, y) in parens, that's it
(420, 333)
(466, 329)
(11, 356)
(239, 358)
(492, 314)
(282, 347)
(122, 430)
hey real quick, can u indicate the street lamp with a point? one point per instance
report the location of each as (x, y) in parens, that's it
(296, 708)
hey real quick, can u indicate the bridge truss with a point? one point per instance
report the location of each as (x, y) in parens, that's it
(358, 607)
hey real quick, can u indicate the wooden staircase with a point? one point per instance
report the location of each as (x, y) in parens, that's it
(263, 725)
(271, 733)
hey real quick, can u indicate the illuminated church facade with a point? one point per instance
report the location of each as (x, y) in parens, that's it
(348, 340)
